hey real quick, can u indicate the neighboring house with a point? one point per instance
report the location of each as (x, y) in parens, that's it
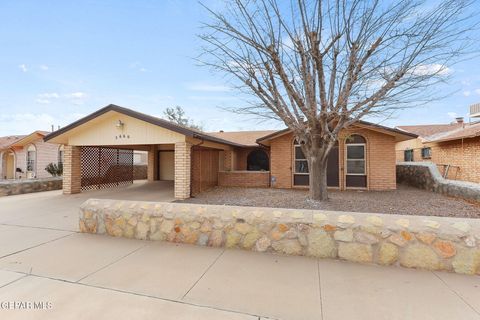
(454, 148)
(195, 161)
(26, 156)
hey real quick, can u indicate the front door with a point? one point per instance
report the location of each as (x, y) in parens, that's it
(10, 167)
(333, 179)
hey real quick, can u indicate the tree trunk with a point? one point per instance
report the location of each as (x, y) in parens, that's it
(317, 165)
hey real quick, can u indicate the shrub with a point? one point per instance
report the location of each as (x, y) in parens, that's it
(55, 169)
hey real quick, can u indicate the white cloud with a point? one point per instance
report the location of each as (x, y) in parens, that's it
(452, 114)
(205, 87)
(432, 69)
(43, 67)
(467, 93)
(46, 98)
(23, 67)
(77, 95)
(477, 91)
(137, 65)
(24, 123)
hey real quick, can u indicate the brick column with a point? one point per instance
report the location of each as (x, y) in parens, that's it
(71, 170)
(152, 163)
(182, 170)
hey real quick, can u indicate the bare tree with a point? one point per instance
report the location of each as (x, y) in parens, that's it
(321, 65)
(177, 115)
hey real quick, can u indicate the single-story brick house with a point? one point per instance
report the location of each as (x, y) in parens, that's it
(454, 148)
(26, 156)
(98, 152)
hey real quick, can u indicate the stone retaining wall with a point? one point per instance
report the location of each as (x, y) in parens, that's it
(432, 243)
(425, 175)
(249, 179)
(13, 187)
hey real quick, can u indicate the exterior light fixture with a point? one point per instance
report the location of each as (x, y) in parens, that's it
(120, 124)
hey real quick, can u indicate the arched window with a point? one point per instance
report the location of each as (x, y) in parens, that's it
(257, 160)
(356, 163)
(31, 158)
(60, 155)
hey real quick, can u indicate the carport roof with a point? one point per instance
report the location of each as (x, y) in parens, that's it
(144, 117)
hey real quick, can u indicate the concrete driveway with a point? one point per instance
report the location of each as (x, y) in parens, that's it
(54, 210)
(85, 276)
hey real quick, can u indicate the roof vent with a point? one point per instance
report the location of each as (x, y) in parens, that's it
(459, 119)
(221, 131)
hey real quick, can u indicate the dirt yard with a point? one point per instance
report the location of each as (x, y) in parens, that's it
(404, 200)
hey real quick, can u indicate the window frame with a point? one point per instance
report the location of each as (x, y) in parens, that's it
(364, 145)
(405, 158)
(295, 160)
(429, 156)
(31, 164)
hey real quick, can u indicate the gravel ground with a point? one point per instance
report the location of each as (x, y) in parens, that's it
(404, 200)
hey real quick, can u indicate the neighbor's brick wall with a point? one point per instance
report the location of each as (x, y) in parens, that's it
(71, 170)
(46, 153)
(465, 155)
(244, 179)
(381, 173)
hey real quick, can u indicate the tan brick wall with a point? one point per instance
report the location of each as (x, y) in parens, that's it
(380, 159)
(244, 179)
(413, 144)
(46, 153)
(71, 170)
(152, 163)
(182, 170)
(281, 150)
(464, 154)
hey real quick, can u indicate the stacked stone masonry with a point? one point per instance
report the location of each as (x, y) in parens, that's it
(9, 188)
(431, 243)
(425, 175)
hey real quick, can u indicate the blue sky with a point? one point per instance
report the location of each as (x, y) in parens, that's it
(61, 60)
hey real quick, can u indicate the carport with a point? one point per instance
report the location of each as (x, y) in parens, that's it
(98, 152)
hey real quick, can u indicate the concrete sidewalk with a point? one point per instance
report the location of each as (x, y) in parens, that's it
(84, 276)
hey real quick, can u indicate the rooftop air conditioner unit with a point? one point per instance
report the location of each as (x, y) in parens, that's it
(475, 110)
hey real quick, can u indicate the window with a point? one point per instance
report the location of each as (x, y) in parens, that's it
(426, 153)
(356, 160)
(31, 157)
(60, 155)
(408, 155)
(300, 169)
(257, 160)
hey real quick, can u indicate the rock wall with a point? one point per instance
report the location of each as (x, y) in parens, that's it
(432, 243)
(425, 175)
(9, 188)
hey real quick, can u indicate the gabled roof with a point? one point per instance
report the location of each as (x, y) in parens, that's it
(467, 131)
(6, 142)
(401, 135)
(247, 138)
(430, 129)
(144, 117)
(29, 138)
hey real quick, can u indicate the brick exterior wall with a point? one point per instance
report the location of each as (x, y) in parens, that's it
(182, 170)
(380, 157)
(152, 163)
(250, 179)
(71, 170)
(46, 153)
(463, 155)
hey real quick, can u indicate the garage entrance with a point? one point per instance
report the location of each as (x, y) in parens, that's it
(103, 167)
